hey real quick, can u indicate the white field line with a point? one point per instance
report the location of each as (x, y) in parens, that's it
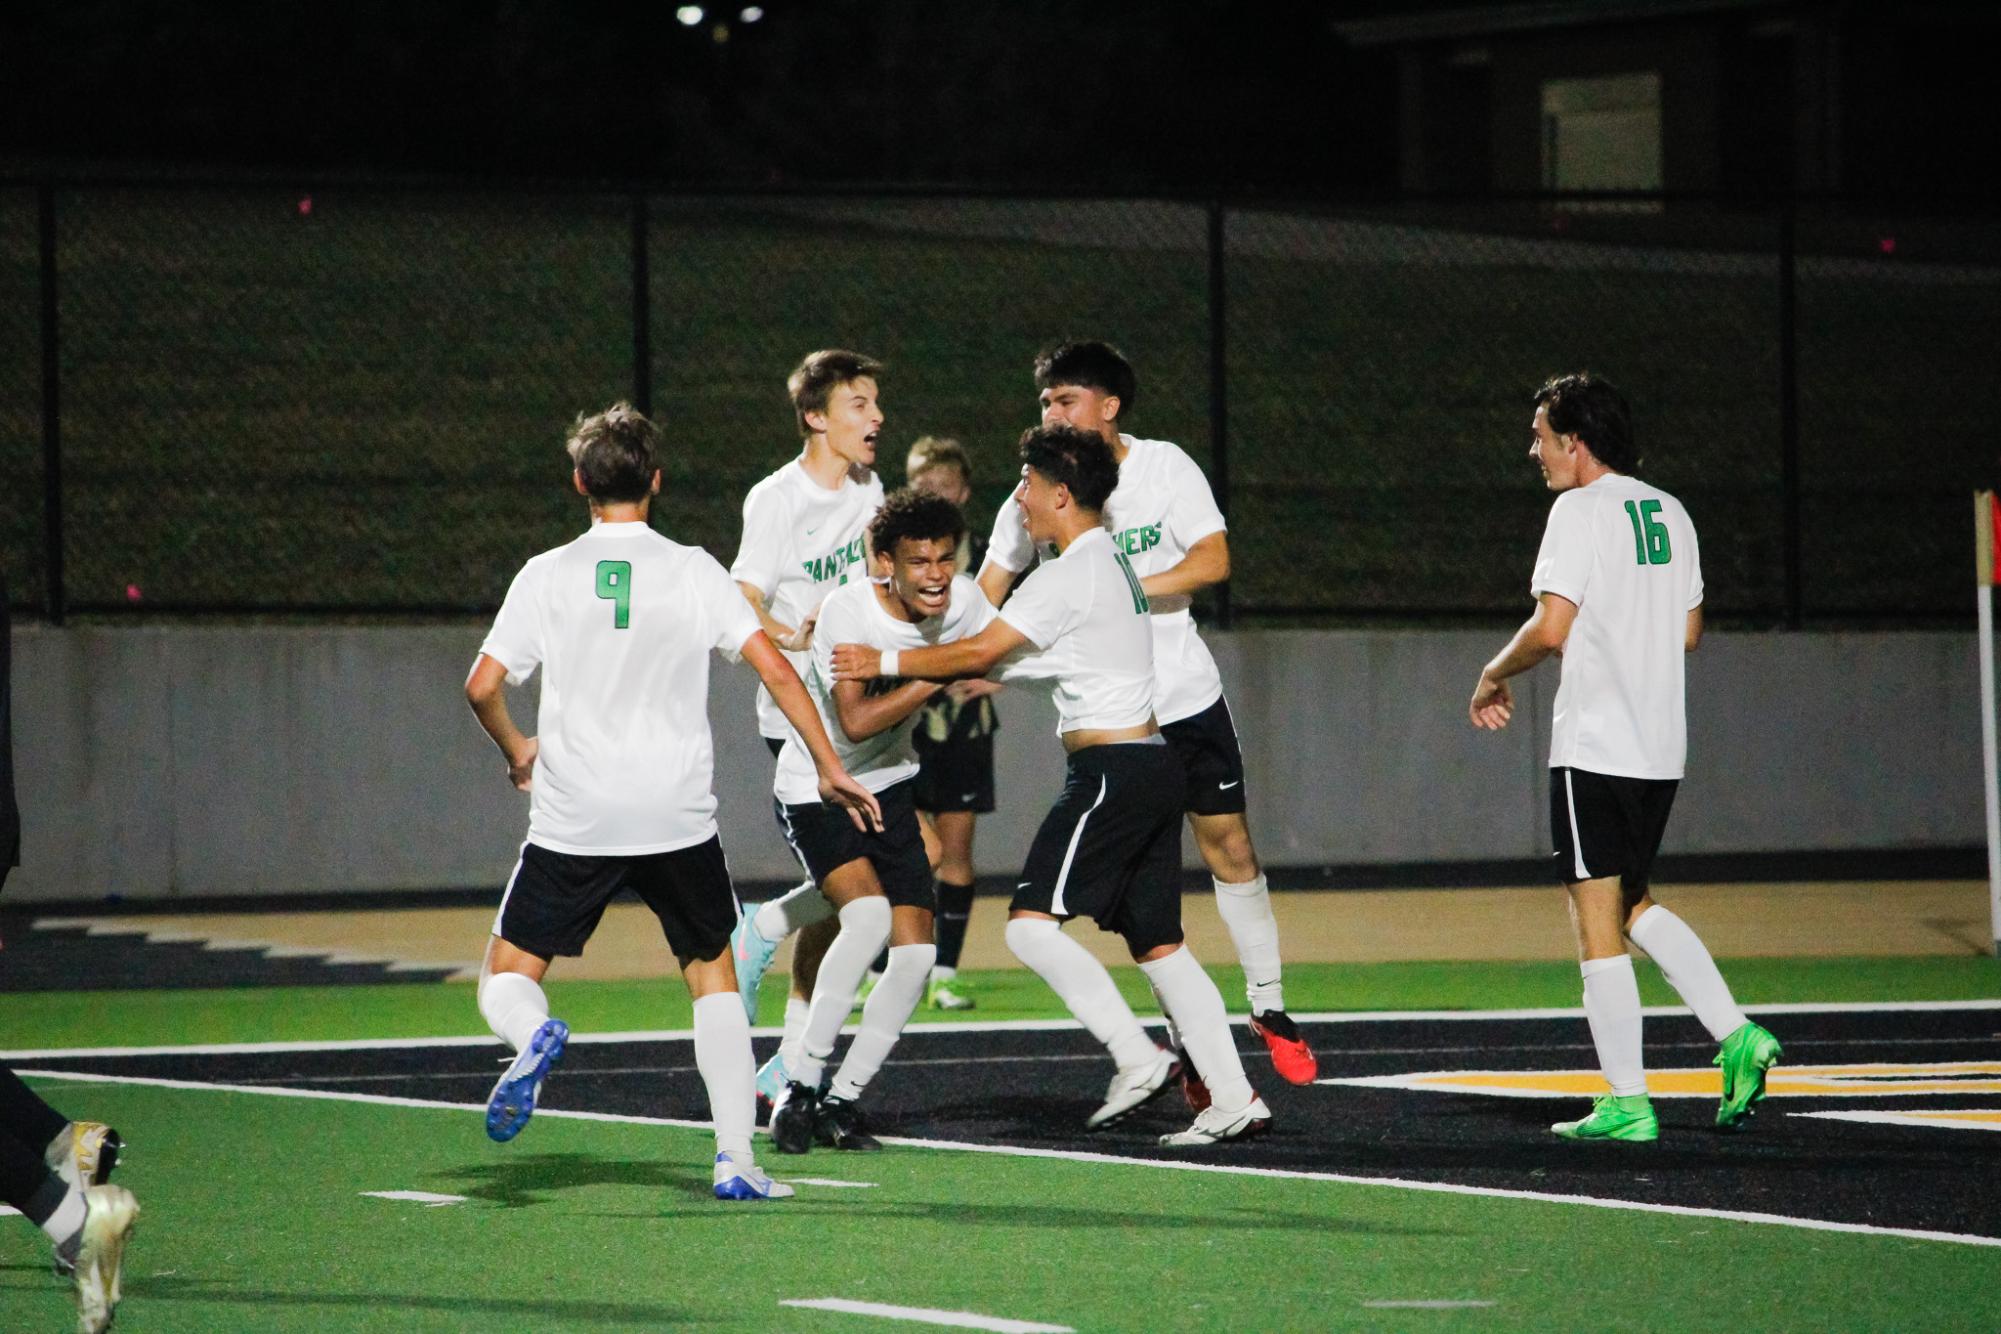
(983, 1026)
(1079, 1156)
(925, 1315)
(427, 1198)
(1955, 1119)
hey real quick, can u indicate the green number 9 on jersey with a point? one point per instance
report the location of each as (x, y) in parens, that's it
(615, 584)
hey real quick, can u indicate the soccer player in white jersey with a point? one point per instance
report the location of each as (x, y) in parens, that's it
(805, 534)
(1109, 849)
(1618, 588)
(880, 880)
(620, 778)
(1163, 519)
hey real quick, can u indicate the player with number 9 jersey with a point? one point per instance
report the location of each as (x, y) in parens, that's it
(621, 622)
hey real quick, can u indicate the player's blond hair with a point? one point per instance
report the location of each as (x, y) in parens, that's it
(937, 451)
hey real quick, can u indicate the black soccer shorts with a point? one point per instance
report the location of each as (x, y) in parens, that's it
(554, 900)
(824, 839)
(1605, 825)
(1207, 746)
(1110, 849)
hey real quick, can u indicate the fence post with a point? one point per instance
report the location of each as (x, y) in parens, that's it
(52, 433)
(642, 309)
(1789, 422)
(1219, 407)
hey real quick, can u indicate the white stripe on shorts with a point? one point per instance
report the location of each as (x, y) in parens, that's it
(1576, 835)
(506, 893)
(1070, 853)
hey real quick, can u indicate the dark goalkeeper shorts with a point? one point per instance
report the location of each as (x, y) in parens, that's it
(1207, 746)
(956, 774)
(1110, 849)
(1604, 825)
(824, 839)
(554, 900)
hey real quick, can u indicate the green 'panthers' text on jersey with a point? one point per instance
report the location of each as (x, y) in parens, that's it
(1161, 507)
(1625, 554)
(800, 542)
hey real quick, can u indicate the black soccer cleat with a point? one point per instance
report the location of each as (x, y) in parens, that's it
(794, 1117)
(842, 1125)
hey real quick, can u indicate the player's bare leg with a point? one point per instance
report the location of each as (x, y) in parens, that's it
(1244, 901)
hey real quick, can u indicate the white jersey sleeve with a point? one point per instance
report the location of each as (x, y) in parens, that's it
(1568, 556)
(767, 529)
(1008, 545)
(517, 640)
(1191, 510)
(731, 622)
(1046, 607)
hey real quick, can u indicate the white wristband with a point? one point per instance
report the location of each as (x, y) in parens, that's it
(888, 667)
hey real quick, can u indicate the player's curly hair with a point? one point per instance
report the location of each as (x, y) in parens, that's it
(1079, 460)
(616, 451)
(917, 515)
(1596, 413)
(1092, 364)
(812, 381)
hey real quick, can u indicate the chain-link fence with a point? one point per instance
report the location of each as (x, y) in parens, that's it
(353, 401)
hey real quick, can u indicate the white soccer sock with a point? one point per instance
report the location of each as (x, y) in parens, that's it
(1612, 1006)
(940, 973)
(67, 1220)
(722, 1054)
(797, 1010)
(1196, 1007)
(1084, 987)
(794, 910)
(1246, 912)
(884, 1014)
(1160, 1003)
(864, 926)
(1686, 964)
(514, 1007)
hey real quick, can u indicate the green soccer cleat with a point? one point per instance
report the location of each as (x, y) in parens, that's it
(947, 993)
(1745, 1057)
(1631, 1119)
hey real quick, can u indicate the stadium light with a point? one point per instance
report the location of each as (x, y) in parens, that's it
(751, 15)
(689, 15)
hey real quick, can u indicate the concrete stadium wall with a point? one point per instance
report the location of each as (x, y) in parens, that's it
(167, 762)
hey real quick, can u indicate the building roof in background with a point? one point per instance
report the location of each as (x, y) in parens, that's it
(1446, 24)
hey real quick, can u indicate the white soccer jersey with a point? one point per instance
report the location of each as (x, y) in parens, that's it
(854, 615)
(621, 622)
(1625, 553)
(1161, 507)
(1087, 618)
(800, 541)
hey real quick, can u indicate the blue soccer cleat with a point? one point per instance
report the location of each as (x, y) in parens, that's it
(752, 954)
(741, 1179)
(513, 1100)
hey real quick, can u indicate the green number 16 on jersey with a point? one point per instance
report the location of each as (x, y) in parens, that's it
(615, 584)
(1650, 535)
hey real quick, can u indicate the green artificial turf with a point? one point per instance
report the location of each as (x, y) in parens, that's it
(254, 1220)
(36, 1020)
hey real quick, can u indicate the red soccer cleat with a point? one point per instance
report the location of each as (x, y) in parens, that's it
(1192, 1087)
(1290, 1055)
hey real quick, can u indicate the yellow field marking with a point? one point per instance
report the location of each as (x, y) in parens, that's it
(1872, 1080)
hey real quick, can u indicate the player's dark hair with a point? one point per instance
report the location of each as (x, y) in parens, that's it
(1080, 460)
(1093, 365)
(1596, 413)
(813, 381)
(616, 451)
(917, 515)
